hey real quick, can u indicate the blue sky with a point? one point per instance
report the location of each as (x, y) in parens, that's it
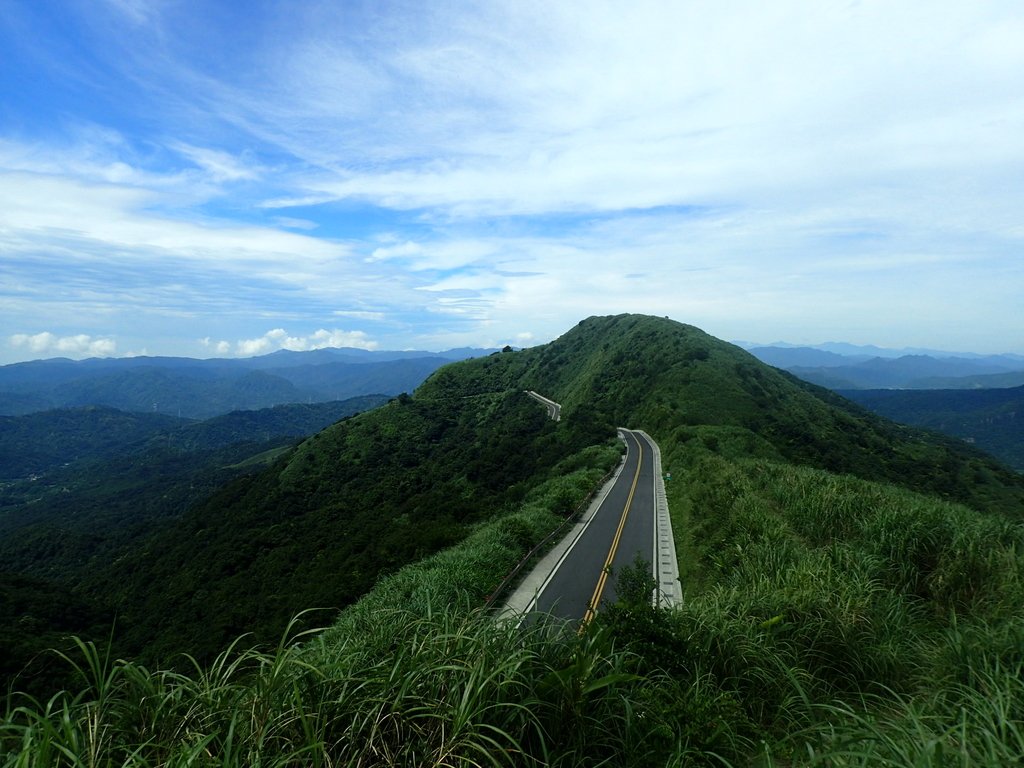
(229, 178)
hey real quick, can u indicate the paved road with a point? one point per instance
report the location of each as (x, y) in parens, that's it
(554, 409)
(621, 528)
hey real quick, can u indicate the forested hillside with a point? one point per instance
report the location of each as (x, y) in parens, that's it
(853, 586)
(320, 527)
(94, 482)
(993, 419)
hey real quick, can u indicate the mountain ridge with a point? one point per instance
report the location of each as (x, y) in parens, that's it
(917, 370)
(202, 388)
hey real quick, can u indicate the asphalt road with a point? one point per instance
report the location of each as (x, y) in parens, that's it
(621, 529)
(554, 409)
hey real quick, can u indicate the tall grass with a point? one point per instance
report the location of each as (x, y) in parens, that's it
(852, 623)
(445, 689)
(962, 726)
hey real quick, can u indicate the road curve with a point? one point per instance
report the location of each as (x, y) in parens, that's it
(554, 409)
(582, 577)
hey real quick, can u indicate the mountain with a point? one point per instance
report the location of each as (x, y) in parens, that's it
(393, 485)
(852, 585)
(805, 357)
(993, 419)
(44, 440)
(40, 442)
(859, 352)
(97, 481)
(982, 381)
(905, 372)
(203, 388)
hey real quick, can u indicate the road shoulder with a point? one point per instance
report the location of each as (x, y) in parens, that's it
(522, 600)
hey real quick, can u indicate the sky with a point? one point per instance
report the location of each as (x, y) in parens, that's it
(231, 178)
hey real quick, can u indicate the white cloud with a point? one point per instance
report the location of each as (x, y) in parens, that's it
(278, 338)
(219, 347)
(292, 223)
(360, 314)
(402, 250)
(220, 166)
(447, 254)
(76, 346)
(520, 107)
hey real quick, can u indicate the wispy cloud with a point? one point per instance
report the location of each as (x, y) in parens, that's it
(221, 166)
(220, 347)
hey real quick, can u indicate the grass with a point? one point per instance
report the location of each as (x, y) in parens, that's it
(447, 688)
(852, 623)
(414, 674)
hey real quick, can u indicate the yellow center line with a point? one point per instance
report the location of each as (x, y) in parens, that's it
(603, 578)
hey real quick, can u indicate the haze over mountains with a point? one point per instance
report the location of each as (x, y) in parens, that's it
(195, 388)
(977, 398)
(844, 366)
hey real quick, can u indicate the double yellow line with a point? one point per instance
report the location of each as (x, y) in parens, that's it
(606, 570)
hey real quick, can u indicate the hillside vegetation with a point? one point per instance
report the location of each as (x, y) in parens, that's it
(319, 527)
(101, 482)
(993, 419)
(853, 588)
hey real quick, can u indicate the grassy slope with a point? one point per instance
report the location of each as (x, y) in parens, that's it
(853, 619)
(680, 384)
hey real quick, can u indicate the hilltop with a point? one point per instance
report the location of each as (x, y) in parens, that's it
(837, 568)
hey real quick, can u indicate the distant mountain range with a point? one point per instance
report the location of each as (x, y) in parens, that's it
(194, 388)
(37, 443)
(867, 351)
(856, 369)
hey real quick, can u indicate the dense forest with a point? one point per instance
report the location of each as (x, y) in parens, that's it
(87, 485)
(853, 587)
(992, 419)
